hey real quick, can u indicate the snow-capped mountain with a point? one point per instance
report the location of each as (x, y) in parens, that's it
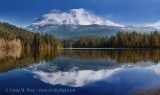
(79, 22)
(80, 75)
(74, 17)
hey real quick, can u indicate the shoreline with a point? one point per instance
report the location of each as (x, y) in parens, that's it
(77, 48)
(104, 48)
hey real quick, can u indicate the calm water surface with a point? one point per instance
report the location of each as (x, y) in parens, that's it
(80, 72)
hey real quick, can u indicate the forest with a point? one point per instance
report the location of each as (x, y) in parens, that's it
(27, 39)
(12, 37)
(120, 40)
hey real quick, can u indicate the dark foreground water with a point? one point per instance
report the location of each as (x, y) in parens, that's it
(80, 72)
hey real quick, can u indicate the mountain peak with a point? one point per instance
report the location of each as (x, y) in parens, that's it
(74, 17)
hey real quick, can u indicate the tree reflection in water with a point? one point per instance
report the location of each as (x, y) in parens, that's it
(12, 59)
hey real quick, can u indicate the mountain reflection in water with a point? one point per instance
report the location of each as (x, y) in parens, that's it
(121, 71)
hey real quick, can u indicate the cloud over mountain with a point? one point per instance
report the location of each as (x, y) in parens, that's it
(74, 17)
(155, 25)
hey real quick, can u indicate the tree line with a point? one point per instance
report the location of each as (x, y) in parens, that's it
(28, 39)
(120, 40)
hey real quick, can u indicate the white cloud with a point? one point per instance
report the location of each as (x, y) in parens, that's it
(155, 68)
(75, 17)
(155, 25)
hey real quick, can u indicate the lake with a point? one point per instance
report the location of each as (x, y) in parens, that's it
(80, 72)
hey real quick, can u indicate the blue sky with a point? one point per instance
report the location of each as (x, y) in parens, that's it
(127, 12)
